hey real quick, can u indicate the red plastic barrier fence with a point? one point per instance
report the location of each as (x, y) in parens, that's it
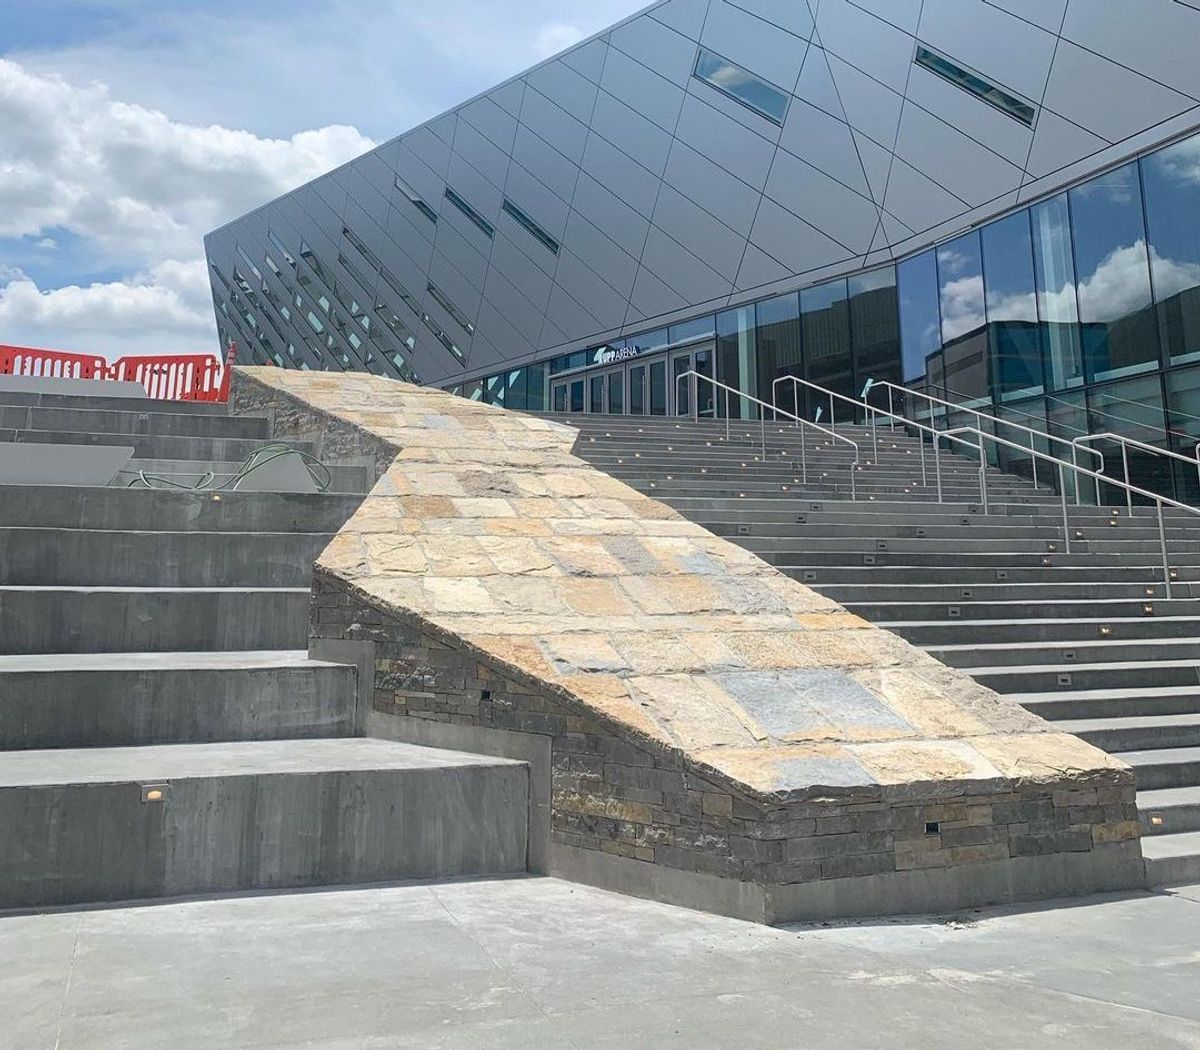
(165, 377)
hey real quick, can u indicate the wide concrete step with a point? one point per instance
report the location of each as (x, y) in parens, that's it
(48, 506)
(1100, 608)
(126, 699)
(151, 619)
(1112, 703)
(158, 418)
(1164, 767)
(218, 475)
(85, 825)
(109, 558)
(154, 446)
(1172, 860)
(962, 576)
(106, 401)
(1006, 591)
(1137, 732)
(1169, 811)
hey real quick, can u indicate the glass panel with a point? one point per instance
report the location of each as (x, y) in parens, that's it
(983, 89)
(474, 390)
(616, 393)
(690, 331)
(778, 342)
(742, 85)
(637, 390)
(516, 393)
(531, 227)
(1058, 312)
(1171, 178)
(559, 400)
(1116, 320)
(493, 391)
(536, 388)
(825, 324)
(964, 329)
(736, 358)
(920, 322)
(647, 341)
(596, 393)
(1010, 294)
(1133, 408)
(874, 327)
(706, 394)
(681, 388)
(1183, 417)
(658, 388)
(576, 399)
(460, 203)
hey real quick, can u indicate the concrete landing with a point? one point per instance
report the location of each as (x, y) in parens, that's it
(538, 964)
(80, 826)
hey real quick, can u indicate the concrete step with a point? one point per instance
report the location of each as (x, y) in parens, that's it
(105, 558)
(1092, 651)
(80, 826)
(186, 473)
(1132, 674)
(47, 506)
(1137, 732)
(154, 446)
(151, 619)
(159, 419)
(1172, 860)
(1164, 767)
(968, 576)
(1037, 592)
(941, 633)
(1169, 811)
(90, 402)
(126, 699)
(1078, 608)
(1112, 703)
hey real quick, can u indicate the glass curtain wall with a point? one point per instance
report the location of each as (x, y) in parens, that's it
(778, 338)
(825, 336)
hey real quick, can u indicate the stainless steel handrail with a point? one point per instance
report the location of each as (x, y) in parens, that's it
(1159, 501)
(804, 423)
(979, 416)
(1126, 443)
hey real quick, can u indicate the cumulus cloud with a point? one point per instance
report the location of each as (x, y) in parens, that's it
(140, 190)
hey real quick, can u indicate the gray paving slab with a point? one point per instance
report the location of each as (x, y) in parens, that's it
(538, 963)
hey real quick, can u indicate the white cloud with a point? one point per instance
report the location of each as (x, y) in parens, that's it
(556, 37)
(141, 191)
(164, 310)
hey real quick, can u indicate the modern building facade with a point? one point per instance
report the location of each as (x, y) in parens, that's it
(999, 199)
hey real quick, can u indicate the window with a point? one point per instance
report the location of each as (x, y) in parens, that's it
(447, 304)
(874, 330)
(1058, 311)
(1116, 320)
(690, 331)
(415, 200)
(1011, 302)
(531, 227)
(778, 339)
(742, 86)
(920, 322)
(1171, 179)
(282, 250)
(825, 332)
(973, 83)
(486, 227)
(964, 331)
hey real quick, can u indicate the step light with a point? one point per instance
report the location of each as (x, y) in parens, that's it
(1157, 820)
(1068, 654)
(1106, 630)
(154, 792)
(1148, 608)
(1063, 679)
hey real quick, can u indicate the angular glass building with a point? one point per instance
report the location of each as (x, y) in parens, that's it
(997, 199)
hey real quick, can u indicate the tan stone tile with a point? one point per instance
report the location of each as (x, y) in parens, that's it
(680, 705)
(917, 761)
(595, 597)
(674, 594)
(518, 555)
(459, 595)
(1048, 757)
(390, 555)
(920, 704)
(480, 507)
(571, 654)
(583, 556)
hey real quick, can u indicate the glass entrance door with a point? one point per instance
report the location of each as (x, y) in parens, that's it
(700, 360)
(558, 397)
(637, 390)
(615, 392)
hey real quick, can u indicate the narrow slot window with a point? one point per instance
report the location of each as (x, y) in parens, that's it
(531, 227)
(484, 226)
(282, 250)
(974, 84)
(742, 86)
(414, 198)
(447, 304)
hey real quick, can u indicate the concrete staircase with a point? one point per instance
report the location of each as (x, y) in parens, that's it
(1086, 639)
(162, 728)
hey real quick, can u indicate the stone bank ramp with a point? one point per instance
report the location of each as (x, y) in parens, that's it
(162, 728)
(1088, 640)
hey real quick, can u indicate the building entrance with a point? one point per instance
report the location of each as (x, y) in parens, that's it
(646, 386)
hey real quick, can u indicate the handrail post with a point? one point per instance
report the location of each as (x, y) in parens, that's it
(853, 486)
(803, 455)
(1162, 539)
(892, 413)
(694, 405)
(874, 434)
(1032, 458)
(983, 496)
(727, 415)
(1125, 474)
(937, 464)
(762, 418)
(1062, 488)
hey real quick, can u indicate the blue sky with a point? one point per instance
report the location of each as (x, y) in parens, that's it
(131, 127)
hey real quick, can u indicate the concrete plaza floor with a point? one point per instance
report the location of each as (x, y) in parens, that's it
(537, 963)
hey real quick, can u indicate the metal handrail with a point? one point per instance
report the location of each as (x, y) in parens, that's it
(1159, 501)
(804, 423)
(1126, 443)
(871, 384)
